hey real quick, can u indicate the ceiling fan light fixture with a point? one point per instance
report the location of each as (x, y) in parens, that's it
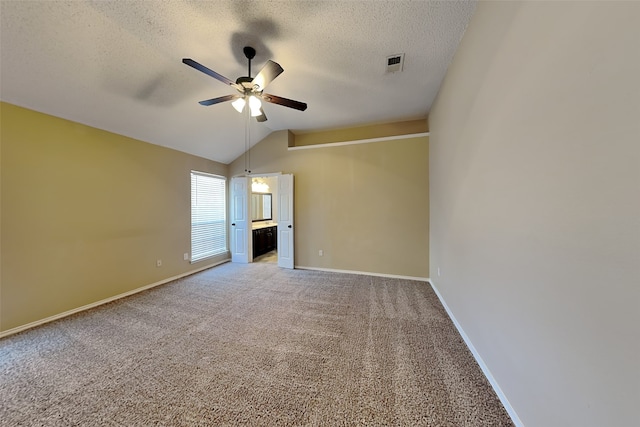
(249, 87)
(255, 105)
(238, 104)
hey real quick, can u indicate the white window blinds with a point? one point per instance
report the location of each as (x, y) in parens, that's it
(208, 216)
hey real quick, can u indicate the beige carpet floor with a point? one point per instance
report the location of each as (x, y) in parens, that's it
(251, 345)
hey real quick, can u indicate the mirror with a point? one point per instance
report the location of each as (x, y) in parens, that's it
(261, 207)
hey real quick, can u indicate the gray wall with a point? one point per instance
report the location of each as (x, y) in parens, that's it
(535, 205)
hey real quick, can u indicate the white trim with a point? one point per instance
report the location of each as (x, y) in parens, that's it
(360, 141)
(257, 175)
(264, 175)
(365, 273)
(104, 301)
(487, 373)
(209, 174)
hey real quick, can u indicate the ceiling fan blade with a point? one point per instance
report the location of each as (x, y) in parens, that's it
(262, 117)
(219, 99)
(202, 68)
(284, 102)
(269, 72)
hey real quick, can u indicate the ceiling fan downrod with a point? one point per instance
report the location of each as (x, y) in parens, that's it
(250, 53)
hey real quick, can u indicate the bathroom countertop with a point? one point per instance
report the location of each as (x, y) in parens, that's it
(263, 224)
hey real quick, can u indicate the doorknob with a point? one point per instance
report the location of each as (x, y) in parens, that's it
(289, 225)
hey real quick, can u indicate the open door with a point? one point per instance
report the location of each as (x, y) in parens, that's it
(285, 221)
(240, 223)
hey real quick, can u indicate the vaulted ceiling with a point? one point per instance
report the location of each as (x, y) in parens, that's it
(117, 65)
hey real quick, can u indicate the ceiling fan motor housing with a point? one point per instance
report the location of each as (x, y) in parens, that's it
(245, 82)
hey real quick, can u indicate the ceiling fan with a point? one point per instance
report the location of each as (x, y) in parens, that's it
(250, 89)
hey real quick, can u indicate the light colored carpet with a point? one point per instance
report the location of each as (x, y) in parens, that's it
(251, 345)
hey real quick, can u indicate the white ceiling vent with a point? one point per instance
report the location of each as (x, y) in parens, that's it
(395, 63)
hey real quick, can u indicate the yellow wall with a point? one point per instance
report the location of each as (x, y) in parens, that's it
(85, 214)
(366, 205)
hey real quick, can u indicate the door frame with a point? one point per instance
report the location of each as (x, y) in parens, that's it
(249, 235)
(285, 221)
(239, 227)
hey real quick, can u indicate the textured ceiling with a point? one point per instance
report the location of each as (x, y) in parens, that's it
(116, 65)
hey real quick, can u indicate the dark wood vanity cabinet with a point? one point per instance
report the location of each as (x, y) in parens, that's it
(264, 240)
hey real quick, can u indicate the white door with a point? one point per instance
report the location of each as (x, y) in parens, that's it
(240, 223)
(285, 221)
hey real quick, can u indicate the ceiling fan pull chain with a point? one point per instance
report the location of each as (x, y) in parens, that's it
(246, 162)
(249, 138)
(247, 144)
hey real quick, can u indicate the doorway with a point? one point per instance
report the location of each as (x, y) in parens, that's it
(266, 213)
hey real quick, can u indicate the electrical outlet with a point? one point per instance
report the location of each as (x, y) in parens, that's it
(159, 263)
(438, 271)
(186, 256)
(320, 252)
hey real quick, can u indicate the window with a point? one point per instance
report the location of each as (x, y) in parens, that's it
(208, 215)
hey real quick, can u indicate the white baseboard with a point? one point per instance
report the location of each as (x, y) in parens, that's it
(104, 301)
(487, 373)
(364, 273)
